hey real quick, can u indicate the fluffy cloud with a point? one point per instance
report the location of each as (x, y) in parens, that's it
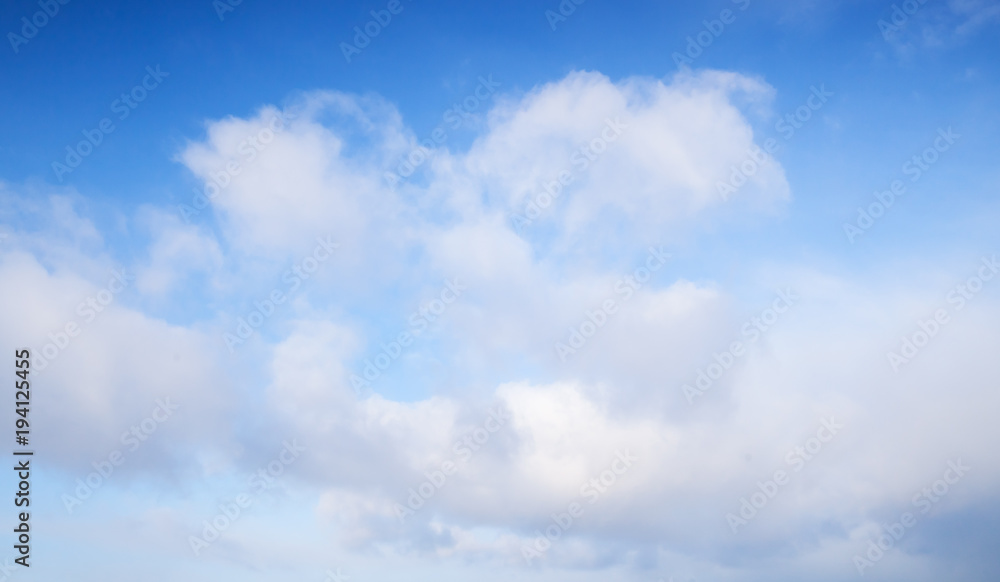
(276, 181)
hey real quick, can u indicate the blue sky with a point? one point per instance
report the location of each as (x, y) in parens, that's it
(318, 299)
